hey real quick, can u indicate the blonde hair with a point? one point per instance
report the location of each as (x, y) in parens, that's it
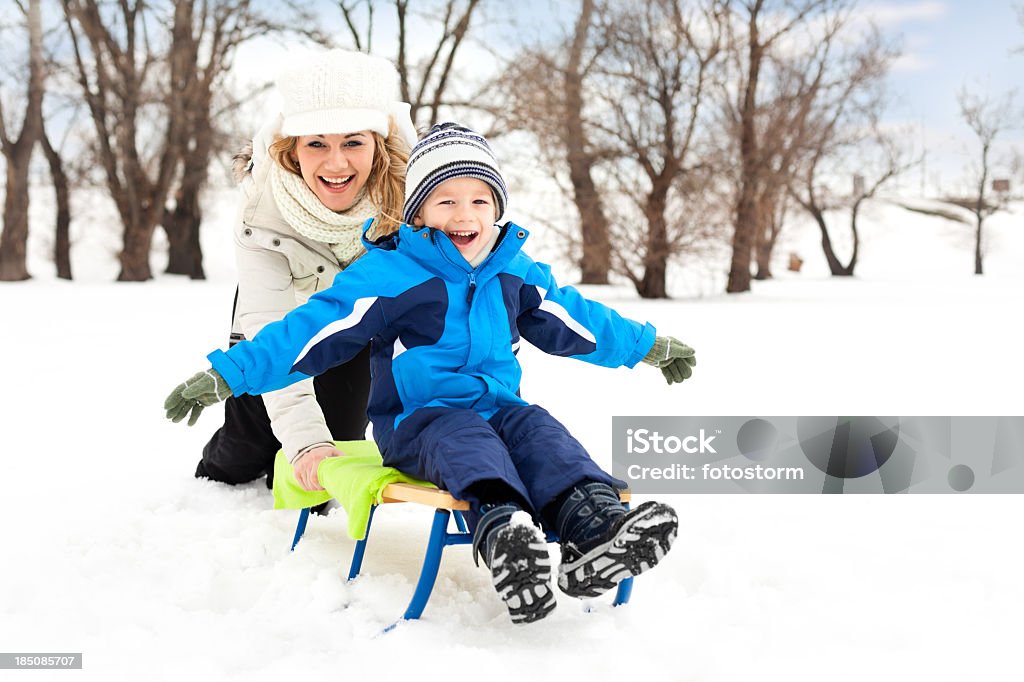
(386, 184)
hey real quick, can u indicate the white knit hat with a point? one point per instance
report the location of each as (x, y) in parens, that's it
(450, 151)
(338, 92)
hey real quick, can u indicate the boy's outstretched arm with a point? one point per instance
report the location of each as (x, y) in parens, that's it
(674, 358)
(561, 321)
(329, 329)
(208, 388)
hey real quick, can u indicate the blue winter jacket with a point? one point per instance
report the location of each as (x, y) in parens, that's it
(441, 333)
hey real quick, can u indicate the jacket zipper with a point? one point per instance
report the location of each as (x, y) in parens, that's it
(472, 275)
(462, 266)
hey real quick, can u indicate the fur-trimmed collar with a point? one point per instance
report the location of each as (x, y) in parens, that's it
(241, 162)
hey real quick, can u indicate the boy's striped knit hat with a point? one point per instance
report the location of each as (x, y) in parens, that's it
(449, 151)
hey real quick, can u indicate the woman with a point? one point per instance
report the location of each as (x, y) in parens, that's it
(334, 157)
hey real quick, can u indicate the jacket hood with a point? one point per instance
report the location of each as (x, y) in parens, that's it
(241, 163)
(388, 242)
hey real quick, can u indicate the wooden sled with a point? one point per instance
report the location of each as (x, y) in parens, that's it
(445, 507)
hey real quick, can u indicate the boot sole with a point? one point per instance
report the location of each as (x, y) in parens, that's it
(643, 539)
(521, 571)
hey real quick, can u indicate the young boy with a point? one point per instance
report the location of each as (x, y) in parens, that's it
(443, 304)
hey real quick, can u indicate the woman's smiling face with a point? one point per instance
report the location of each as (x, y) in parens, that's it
(335, 167)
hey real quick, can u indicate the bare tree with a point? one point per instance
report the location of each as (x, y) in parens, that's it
(117, 64)
(772, 206)
(547, 90)
(617, 110)
(362, 37)
(18, 153)
(845, 112)
(987, 117)
(782, 132)
(779, 122)
(205, 38)
(151, 72)
(426, 79)
(595, 259)
(62, 199)
(816, 202)
(654, 82)
(58, 126)
(767, 24)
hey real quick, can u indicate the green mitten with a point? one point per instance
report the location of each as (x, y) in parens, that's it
(201, 390)
(674, 358)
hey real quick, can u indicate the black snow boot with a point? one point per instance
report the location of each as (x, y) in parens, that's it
(517, 554)
(603, 544)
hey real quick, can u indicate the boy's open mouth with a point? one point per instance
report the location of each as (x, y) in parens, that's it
(462, 237)
(336, 184)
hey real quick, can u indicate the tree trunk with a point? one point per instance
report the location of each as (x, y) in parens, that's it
(978, 270)
(135, 205)
(596, 258)
(13, 242)
(767, 249)
(595, 261)
(134, 257)
(61, 189)
(742, 243)
(767, 231)
(182, 225)
(185, 255)
(653, 284)
(746, 206)
(856, 237)
(764, 257)
(979, 209)
(141, 206)
(834, 265)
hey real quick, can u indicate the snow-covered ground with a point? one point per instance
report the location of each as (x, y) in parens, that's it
(113, 549)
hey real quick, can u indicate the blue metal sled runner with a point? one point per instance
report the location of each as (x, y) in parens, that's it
(445, 506)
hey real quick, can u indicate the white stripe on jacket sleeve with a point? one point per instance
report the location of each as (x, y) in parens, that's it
(556, 309)
(359, 309)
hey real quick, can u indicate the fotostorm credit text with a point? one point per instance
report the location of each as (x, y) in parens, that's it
(711, 472)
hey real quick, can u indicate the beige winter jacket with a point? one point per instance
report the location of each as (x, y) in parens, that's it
(278, 270)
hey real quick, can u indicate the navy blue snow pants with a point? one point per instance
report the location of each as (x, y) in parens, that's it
(521, 446)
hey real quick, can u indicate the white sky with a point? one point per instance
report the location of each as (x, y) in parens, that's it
(948, 45)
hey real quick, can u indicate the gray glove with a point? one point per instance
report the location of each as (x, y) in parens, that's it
(201, 390)
(674, 358)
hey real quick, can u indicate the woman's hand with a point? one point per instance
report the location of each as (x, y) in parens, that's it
(307, 465)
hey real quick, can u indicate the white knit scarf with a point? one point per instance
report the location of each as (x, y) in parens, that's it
(310, 218)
